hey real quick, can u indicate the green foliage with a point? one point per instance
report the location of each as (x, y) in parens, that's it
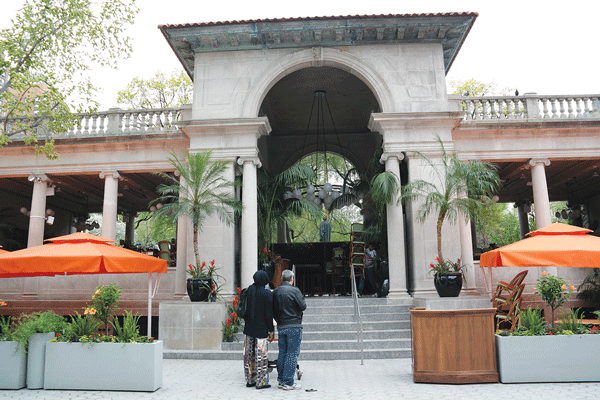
(6, 328)
(456, 188)
(200, 191)
(80, 326)
(497, 223)
(571, 321)
(589, 290)
(39, 322)
(532, 322)
(46, 52)
(129, 332)
(477, 88)
(553, 290)
(104, 302)
(160, 91)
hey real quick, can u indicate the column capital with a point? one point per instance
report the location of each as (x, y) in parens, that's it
(114, 174)
(534, 161)
(39, 178)
(253, 160)
(386, 156)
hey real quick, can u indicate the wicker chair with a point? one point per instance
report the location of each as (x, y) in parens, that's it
(513, 312)
(503, 287)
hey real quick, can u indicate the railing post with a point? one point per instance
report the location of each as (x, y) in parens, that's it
(114, 121)
(532, 106)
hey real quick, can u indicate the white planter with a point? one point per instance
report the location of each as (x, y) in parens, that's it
(13, 365)
(557, 358)
(104, 366)
(36, 352)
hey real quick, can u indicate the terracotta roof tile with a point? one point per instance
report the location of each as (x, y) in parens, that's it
(255, 21)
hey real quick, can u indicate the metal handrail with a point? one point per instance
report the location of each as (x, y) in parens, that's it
(357, 313)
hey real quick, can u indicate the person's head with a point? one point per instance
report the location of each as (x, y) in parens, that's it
(371, 246)
(261, 278)
(287, 276)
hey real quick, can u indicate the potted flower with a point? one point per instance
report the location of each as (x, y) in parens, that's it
(565, 351)
(448, 277)
(233, 323)
(458, 188)
(203, 285)
(123, 361)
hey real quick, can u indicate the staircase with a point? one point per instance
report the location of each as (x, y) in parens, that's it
(330, 332)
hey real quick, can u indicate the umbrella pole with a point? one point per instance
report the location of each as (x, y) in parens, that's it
(149, 328)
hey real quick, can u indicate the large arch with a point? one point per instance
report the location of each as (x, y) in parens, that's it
(317, 57)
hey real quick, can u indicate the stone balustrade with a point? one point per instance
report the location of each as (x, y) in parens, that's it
(529, 106)
(117, 122)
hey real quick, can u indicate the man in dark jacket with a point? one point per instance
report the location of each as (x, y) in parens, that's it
(258, 329)
(288, 305)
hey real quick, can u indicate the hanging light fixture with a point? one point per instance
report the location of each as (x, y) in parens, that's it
(320, 194)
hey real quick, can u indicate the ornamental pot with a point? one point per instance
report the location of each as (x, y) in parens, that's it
(13, 365)
(448, 284)
(36, 359)
(198, 289)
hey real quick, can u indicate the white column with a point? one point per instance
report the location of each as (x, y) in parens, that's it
(183, 230)
(466, 251)
(540, 192)
(249, 219)
(395, 226)
(109, 207)
(37, 216)
(523, 220)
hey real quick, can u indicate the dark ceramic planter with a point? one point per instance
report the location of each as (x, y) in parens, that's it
(448, 284)
(198, 289)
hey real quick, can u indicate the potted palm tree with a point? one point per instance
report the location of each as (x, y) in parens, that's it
(200, 192)
(457, 187)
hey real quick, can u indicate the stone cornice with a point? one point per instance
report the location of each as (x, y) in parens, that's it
(382, 122)
(259, 126)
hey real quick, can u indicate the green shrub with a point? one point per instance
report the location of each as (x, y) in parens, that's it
(570, 322)
(129, 332)
(6, 328)
(532, 322)
(30, 324)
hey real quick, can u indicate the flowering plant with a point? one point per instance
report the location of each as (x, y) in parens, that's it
(445, 266)
(104, 302)
(3, 303)
(553, 290)
(233, 323)
(265, 256)
(203, 271)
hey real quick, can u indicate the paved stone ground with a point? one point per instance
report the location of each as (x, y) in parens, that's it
(376, 379)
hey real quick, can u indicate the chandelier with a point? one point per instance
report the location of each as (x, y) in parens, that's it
(320, 194)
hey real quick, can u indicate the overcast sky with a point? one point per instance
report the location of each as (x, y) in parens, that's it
(535, 46)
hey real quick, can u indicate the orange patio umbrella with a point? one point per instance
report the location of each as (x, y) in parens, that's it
(81, 254)
(556, 245)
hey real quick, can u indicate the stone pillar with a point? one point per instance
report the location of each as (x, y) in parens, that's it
(466, 250)
(523, 219)
(109, 207)
(130, 227)
(540, 192)
(395, 227)
(183, 230)
(249, 219)
(37, 216)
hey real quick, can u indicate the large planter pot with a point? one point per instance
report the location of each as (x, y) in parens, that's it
(556, 358)
(198, 289)
(453, 346)
(448, 284)
(13, 365)
(36, 355)
(104, 366)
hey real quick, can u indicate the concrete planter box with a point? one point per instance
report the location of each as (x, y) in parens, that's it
(104, 366)
(13, 365)
(36, 354)
(191, 326)
(556, 358)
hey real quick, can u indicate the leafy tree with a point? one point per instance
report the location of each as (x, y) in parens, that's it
(159, 91)
(44, 55)
(474, 87)
(201, 193)
(457, 187)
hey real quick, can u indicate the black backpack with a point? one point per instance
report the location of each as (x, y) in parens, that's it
(242, 306)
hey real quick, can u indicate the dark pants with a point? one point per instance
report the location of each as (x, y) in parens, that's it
(370, 276)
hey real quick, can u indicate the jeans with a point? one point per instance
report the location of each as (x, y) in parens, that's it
(289, 350)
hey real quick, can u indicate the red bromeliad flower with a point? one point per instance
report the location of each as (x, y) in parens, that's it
(212, 263)
(228, 321)
(234, 315)
(432, 266)
(191, 267)
(238, 290)
(437, 259)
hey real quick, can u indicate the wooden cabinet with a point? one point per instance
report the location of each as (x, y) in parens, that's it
(453, 346)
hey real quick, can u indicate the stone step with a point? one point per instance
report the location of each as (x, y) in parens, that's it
(353, 354)
(364, 309)
(327, 301)
(365, 318)
(351, 326)
(350, 335)
(335, 345)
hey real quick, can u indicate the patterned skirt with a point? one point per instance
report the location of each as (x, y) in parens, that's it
(256, 361)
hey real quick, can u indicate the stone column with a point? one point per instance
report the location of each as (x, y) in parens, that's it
(130, 227)
(249, 219)
(523, 220)
(183, 230)
(395, 227)
(109, 207)
(540, 192)
(466, 251)
(37, 216)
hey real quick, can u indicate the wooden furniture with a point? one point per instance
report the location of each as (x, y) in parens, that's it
(281, 265)
(513, 312)
(502, 287)
(453, 346)
(339, 277)
(357, 250)
(305, 281)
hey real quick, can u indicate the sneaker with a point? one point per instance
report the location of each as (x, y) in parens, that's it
(263, 386)
(280, 385)
(295, 386)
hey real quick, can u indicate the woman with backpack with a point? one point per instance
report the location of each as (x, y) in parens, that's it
(258, 328)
